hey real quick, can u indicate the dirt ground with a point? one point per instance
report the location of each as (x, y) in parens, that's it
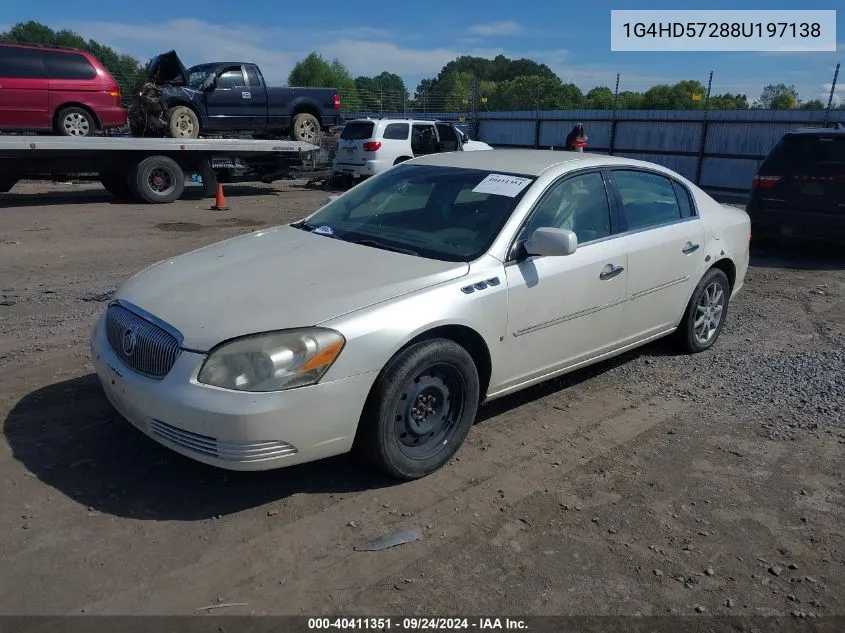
(652, 484)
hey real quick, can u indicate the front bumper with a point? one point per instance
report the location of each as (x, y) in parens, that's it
(229, 429)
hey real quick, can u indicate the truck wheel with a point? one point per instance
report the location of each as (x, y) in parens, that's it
(158, 179)
(305, 127)
(117, 184)
(75, 122)
(183, 122)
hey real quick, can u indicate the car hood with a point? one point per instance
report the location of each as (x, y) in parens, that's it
(274, 279)
(167, 68)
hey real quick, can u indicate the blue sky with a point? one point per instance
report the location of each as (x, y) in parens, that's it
(414, 40)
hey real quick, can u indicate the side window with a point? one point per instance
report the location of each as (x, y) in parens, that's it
(647, 199)
(396, 131)
(252, 77)
(578, 204)
(67, 66)
(21, 63)
(684, 200)
(231, 78)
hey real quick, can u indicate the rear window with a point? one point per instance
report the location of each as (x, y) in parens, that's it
(357, 131)
(67, 66)
(396, 131)
(801, 150)
(20, 63)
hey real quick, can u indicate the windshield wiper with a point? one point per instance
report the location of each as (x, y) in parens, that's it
(386, 247)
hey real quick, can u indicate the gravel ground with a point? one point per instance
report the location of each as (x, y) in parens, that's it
(653, 483)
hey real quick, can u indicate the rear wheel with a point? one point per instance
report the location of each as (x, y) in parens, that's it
(75, 122)
(401, 159)
(306, 128)
(706, 312)
(158, 179)
(183, 122)
(421, 409)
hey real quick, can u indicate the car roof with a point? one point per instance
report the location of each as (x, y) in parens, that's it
(68, 49)
(528, 162)
(818, 130)
(392, 120)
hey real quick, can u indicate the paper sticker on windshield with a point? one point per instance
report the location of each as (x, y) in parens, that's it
(501, 185)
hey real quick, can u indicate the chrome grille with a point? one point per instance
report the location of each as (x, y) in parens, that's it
(251, 452)
(140, 344)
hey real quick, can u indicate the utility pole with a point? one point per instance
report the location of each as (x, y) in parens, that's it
(830, 98)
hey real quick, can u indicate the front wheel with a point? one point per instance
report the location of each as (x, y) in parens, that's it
(421, 409)
(183, 122)
(706, 312)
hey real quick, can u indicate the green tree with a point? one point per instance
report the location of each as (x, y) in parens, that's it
(778, 97)
(676, 97)
(600, 98)
(628, 100)
(315, 72)
(125, 68)
(813, 104)
(728, 101)
(524, 93)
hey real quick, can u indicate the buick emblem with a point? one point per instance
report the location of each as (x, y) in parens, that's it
(129, 341)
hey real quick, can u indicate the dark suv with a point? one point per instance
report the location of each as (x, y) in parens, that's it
(800, 187)
(59, 90)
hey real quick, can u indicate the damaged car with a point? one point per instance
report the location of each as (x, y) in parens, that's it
(227, 99)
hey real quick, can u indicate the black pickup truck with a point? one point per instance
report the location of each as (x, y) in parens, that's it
(227, 98)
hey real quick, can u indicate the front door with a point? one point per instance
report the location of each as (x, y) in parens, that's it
(564, 310)
(229, 102)
(665, 250)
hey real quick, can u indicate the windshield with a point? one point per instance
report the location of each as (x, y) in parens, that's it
(196, 74)
(444, 213)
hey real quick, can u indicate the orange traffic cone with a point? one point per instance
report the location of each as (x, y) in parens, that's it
(220, 203)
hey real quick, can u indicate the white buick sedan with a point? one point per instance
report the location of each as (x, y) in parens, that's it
(381, 322)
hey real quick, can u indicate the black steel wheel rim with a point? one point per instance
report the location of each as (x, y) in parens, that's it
(429, 411)
(160, 180)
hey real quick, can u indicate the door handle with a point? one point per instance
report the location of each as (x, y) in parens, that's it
(690, 248)
(610, 272)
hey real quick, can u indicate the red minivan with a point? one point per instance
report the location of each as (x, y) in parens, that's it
(63, 90)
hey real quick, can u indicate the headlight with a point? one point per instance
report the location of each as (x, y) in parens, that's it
(274, 361)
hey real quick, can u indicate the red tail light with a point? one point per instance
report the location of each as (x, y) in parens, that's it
(371, 146)
(764, 182)
(337, 102)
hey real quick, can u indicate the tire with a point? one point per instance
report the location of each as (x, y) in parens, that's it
(76, 122)
(306, 128)
(437, 374)
(401, 159)
(117, 184)
(182, 122)
(158, 179)
(7, 182)
(712, 291)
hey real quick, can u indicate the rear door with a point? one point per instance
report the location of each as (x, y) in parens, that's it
(229, 103)
(665, 244)
(24, 89)
(258, 103)
(350, 150)
(805, 173)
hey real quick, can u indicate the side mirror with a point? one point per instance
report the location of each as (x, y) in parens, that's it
(550, 242)
(209, 82)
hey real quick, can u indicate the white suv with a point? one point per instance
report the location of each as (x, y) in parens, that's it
(370, 146)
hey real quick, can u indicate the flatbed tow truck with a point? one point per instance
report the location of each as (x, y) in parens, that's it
(152, 169)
